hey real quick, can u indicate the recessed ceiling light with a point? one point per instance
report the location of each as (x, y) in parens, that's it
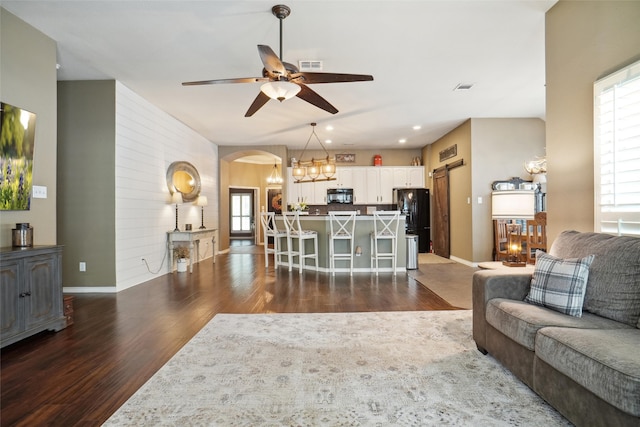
(417, 127)
(402, 140)
(328, 141)
(329, 127)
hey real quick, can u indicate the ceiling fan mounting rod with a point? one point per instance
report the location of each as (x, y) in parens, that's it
(281, 11)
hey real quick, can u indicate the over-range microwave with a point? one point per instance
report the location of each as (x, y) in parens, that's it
(340, 195)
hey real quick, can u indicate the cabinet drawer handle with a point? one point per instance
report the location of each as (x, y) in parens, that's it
(25, 294)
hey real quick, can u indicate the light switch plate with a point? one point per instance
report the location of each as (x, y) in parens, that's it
(39, 192)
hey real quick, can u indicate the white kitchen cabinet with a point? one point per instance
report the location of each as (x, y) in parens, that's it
(360, 187)
(379, 185)
(408, 176)
(344, 178)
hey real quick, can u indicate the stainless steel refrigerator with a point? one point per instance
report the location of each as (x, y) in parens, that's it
(414, 204)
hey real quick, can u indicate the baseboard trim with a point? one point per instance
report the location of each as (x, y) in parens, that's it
(90, 290)
(463, 261)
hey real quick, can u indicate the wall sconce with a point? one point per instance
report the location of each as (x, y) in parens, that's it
(514, 249)
(176, 198)
(202, 202)
(358, 250)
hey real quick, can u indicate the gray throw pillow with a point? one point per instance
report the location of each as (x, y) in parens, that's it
(559, 284)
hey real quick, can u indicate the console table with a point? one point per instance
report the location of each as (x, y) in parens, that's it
(191, 237)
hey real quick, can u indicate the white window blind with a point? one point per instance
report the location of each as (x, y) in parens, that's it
(617, 152)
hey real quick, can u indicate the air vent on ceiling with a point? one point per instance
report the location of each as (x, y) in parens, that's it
(463, 86)
(310, 65)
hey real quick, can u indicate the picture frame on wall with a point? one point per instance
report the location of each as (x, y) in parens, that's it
(274, 200)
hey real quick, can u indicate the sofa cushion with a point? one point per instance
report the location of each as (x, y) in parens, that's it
(606, 362)
(559, 284)
(613, 287)
(520, 321)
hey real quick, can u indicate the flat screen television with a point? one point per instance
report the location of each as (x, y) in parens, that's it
(17, 138)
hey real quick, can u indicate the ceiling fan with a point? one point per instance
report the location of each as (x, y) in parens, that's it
(283, 80)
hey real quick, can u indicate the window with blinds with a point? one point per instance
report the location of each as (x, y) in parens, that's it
(617, 152)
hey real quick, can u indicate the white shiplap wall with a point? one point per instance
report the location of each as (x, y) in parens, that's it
(148, 140)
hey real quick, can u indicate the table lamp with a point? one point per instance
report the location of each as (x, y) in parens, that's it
(202, 202)
(177, 199)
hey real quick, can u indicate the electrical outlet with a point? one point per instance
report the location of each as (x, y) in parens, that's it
(83, 266)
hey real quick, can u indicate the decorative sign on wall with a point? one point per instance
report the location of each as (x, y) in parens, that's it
(345, 158)
(449, 152)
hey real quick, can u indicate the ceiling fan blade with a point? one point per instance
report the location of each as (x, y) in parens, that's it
(271, 61)
(311, 78)
(260, 100)
(222, 81)
(313, 98)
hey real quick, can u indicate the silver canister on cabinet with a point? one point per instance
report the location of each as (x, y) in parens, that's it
(22, 235)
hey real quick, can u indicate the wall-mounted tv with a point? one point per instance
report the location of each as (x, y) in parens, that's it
(17, 137)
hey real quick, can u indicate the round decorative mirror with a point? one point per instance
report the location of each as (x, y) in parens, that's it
(184, 178)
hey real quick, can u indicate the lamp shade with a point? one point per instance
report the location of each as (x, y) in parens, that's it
(176, 198)
(201, 201)
(514, 204)
(280, 90)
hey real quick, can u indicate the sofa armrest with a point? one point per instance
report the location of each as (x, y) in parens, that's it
(489, 284)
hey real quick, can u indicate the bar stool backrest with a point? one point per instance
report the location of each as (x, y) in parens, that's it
(292, 222)
(268, 220)
(386, 223)
(342, 223)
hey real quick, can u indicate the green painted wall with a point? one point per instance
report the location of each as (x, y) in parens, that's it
(86, 181)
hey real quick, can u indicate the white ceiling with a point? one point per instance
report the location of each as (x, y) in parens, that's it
(417, 52)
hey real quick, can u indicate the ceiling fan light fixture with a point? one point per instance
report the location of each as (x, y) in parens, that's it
(280, 90)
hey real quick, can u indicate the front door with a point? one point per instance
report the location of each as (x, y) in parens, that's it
(241, 213)
(441, 231)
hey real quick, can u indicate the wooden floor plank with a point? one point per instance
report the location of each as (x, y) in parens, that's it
(82, 374)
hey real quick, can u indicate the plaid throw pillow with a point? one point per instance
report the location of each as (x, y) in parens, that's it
(559, 284)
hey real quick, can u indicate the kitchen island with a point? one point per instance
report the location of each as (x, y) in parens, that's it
(363, 231)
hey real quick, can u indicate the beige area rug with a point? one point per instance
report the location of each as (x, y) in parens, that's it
(335, 369)
(429, 258)
(449, 280)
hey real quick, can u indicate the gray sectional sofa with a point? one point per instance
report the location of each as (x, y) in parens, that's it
(586, 365)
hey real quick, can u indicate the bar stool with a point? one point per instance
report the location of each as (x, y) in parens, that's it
(270, 229)
(342, 225)
(295, 232)
(385, 228)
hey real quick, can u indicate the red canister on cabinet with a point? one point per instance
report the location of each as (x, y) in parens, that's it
(377, 160)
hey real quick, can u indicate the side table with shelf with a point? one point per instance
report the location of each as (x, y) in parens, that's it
(193, 238)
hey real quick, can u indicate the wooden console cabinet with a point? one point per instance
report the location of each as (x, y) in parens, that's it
(30, 292)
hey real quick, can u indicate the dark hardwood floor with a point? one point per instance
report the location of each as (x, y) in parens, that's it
(82, 374)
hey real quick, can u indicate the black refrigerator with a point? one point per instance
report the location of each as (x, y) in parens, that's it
(414, 204)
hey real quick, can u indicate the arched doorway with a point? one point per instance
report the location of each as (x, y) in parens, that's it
(246, 170)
